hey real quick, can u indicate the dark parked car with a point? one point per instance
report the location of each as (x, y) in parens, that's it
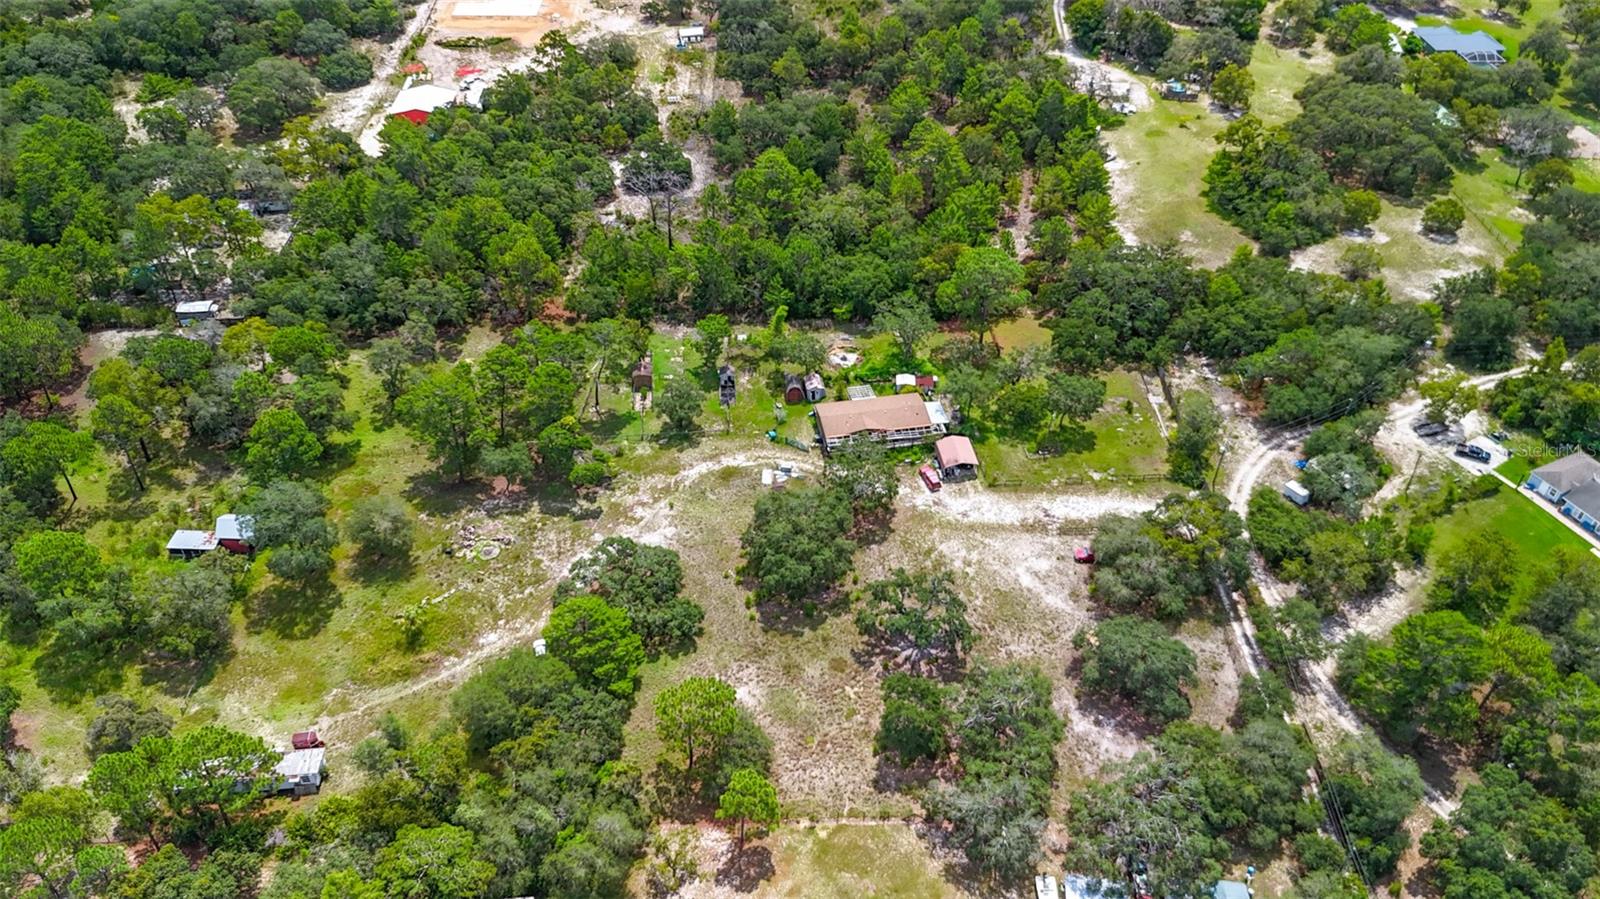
(1429, 428)
(1476, 453)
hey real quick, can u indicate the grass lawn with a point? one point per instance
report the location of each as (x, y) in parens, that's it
(1494, 197)
(1517, 517)
(1127, 444)
(1531, 452)
(1515, 469)
(1021, 333)
(1279, 73)
(885, 860)
(1162, 154)
(1414, 262)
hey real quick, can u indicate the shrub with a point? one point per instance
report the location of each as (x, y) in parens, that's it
(1443, 217)
(381, 526)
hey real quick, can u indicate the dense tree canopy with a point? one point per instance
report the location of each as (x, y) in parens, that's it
(1136, 660)
(645, 582)
(1170, 559)
(1005, 732)
(918, 620)
(797, 546)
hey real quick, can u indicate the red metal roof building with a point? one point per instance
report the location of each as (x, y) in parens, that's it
(417, 102)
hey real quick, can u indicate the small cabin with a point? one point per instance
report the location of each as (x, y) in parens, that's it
(794, 389)
(643, 376)
(195, 310)
(1296, 493)
(300, 771)
(231, 532)
(189, 544)
(689, 35)
(956, 457)
(416, 102)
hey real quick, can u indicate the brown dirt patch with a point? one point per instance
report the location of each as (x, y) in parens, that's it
(25, 730)
(524, 21)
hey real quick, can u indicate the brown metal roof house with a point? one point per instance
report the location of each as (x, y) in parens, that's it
(899, 420)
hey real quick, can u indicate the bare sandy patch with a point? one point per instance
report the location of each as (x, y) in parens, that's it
(524, 21)
(973, 503)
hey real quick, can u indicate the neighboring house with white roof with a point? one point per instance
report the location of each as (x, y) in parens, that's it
(1478, 48)
(195, 310)
(190, 544)
(416, 102)
(300, 771)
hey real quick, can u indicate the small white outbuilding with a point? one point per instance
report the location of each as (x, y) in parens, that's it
(1297, 493)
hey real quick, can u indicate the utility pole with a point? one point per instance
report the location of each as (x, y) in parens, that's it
(1411, 477)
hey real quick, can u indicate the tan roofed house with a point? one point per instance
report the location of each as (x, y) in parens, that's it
(899, 420)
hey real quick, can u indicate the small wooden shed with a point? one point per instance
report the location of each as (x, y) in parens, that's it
(794, 389)
(644, 376)
(816, 390)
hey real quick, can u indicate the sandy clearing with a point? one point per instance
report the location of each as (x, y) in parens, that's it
(1123, 189)
(1096, 78)
(1217, 694)
(972, 503)
(1095, 741)
(99, 346)
(1473, 248)
(1585, 145)
(648, 513)
(495, 8)
(352, 110)
(524, 21)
